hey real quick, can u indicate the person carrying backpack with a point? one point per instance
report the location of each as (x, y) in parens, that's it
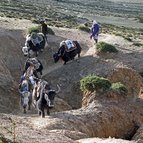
(95, 31)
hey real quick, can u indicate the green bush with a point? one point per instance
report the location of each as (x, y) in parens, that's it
(119, 87)
(105, 47)
(93, 82)
(84, 28)
(34, 29)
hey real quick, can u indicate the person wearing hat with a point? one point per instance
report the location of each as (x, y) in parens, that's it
(44, 28)
(94, 31)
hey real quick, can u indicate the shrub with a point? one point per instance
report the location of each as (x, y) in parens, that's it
(117, 33)
(105, 47)
(34, 29)
(93, 82)
(34, 20)
(84, 28)
(137, 44)
(127, 38)
(119, 87)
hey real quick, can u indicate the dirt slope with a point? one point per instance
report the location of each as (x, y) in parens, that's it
(12, 39)
(59, 127)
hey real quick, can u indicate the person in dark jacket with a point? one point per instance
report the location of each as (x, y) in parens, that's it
(44, 28)
(95, 31)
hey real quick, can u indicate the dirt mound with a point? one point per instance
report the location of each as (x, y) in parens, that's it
(102, 118)
(129, 77)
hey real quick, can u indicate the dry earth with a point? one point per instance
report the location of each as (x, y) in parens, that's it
(67, 126)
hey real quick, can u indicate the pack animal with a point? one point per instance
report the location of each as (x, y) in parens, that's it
(26, 96)
(30, 48)
(67, 55)
(43, 97)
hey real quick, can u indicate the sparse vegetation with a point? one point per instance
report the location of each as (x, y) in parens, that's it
(105, 47)
(83, 27)
(129, 34)
(34, 29)
(70, 13)
(138, 44)
(119, 87)
(10, 130)
(127, 38)
(93, 82)
(140, 19)
(4, 140)
(37, 29)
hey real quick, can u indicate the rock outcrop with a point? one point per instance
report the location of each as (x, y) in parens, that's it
(129, 77)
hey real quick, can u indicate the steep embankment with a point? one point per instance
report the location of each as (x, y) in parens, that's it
(104, 117)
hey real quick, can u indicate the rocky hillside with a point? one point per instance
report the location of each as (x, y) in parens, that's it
(95, 116)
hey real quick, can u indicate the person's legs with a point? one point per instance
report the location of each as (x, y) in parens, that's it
(96, 38)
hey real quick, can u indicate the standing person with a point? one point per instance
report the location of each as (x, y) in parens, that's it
(44, 28)
(94, 31)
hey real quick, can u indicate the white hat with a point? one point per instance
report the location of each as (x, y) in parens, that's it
(94, 22)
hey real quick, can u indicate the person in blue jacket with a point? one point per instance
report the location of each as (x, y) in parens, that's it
(94, 31)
